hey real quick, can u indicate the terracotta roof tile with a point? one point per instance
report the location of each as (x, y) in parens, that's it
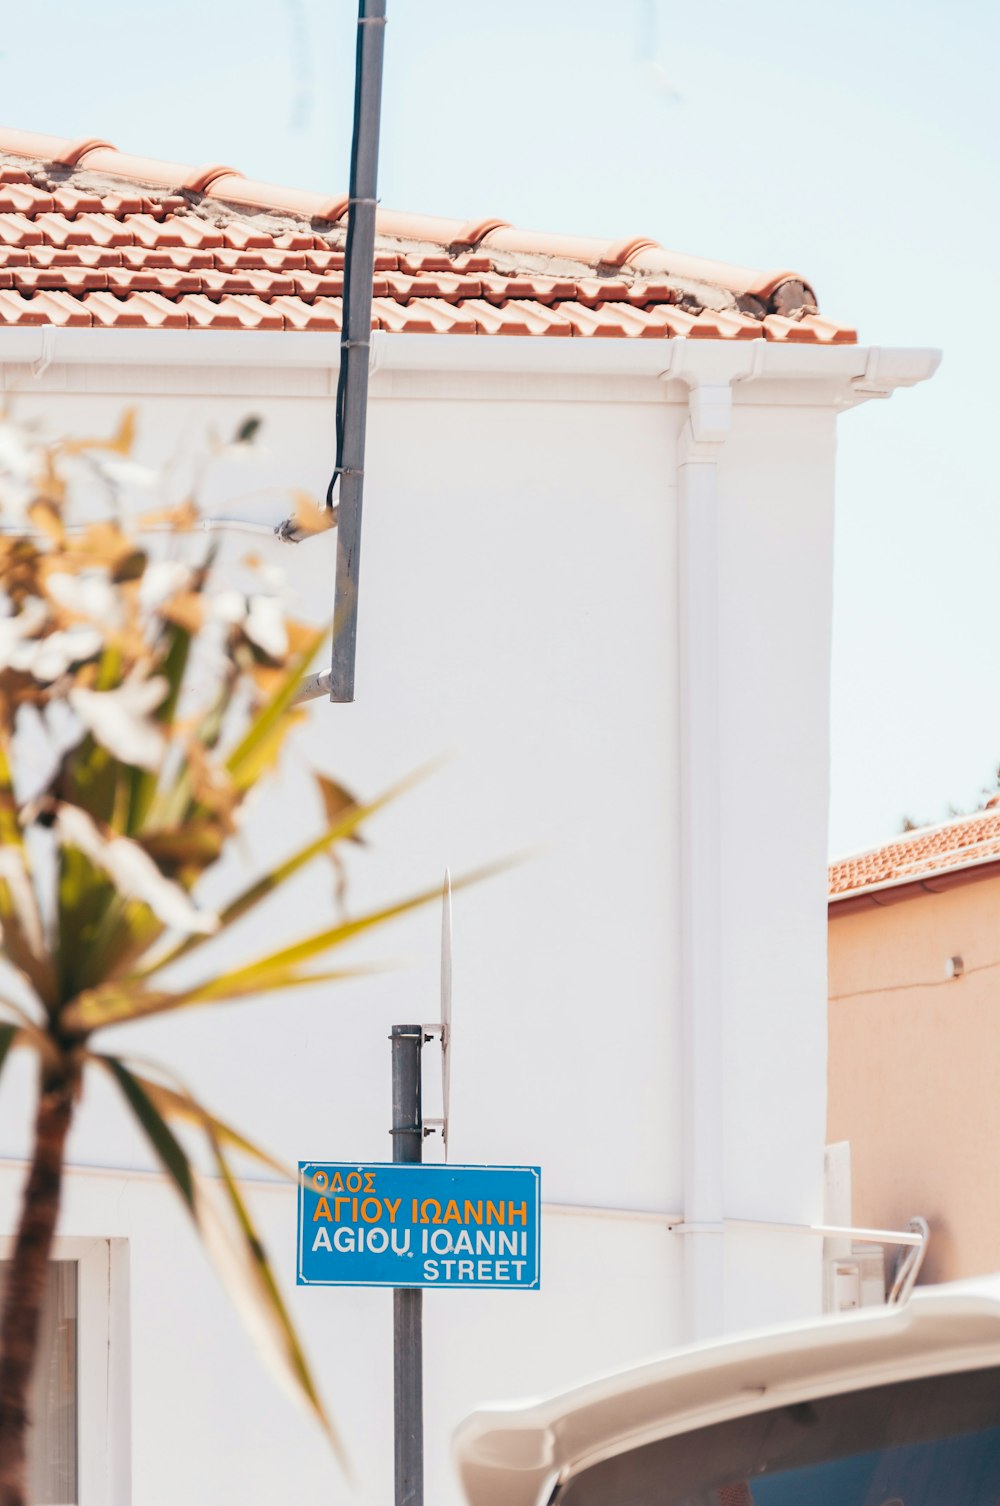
(15, 230)
(23, 198)
(136, 311)
(170, 258)
(923, 859)
(237, 311)
(16, 309)
(65, 257)
(321, 314)
(74, 280)
(311, 285)
(260, 284)
(607, 319)
(572, 248)
(168, 282)
(89, 234)
(500, 289)
(244, 237)
(123, 203)
(414, 265)
(460, 261)
(333, 261)
(257, 259)
(652, 291)
(595, 290)
(172, 230)
(826, 331)
(298, 240)
(69, 202)
(73, 152)
(677, 322)
(423, 316)
(431, 285)
(236, 189)
(88, 229)
(802, 331)
(727, 324)
(43, 308)
(44, 148)
(520, 316)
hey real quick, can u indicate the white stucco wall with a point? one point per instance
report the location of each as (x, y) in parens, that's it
(521, 613)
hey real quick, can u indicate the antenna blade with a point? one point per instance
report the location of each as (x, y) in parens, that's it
(446, 1006)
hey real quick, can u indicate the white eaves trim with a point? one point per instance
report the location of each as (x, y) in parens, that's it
(862, 371)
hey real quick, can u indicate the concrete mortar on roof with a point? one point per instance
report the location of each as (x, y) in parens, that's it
(216, 212)
(221, 212)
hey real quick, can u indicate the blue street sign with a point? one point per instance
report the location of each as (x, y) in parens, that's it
(397, 1225)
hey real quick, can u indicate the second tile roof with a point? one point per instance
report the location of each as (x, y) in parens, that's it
(919, 858)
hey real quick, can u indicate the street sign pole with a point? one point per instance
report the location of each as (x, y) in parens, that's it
(404, 1225)
(407, 1305)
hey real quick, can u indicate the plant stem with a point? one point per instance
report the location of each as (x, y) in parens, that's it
(26, 1278)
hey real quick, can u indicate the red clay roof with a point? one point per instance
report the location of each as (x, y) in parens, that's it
(926, 860)
(91, 236)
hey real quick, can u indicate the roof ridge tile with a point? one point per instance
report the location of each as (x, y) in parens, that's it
(232, 188)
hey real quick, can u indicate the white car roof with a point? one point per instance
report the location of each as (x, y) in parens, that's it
(515, 1455)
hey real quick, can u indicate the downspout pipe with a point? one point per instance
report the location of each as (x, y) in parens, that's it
(710, 407)
(355, 341)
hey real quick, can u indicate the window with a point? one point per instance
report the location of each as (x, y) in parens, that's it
(78, 1444)
(927, 1442)
(52, 1442)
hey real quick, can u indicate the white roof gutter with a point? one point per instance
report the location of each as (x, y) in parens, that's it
(870, 371)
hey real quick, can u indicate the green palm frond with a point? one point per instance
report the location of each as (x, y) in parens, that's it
(179, 705)
(8, 1038)
(345, 826)
(227, 1231)
(173, 666)
(257, 750)
(177, 1104)
(252, 1280)
(20, 916)
(120, 1004)
(169, 1151)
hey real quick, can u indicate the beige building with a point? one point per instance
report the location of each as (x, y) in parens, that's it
(914, 1022)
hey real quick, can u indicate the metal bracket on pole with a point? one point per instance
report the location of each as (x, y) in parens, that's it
(441, 1029)
(408, 1130)
(407, 1305)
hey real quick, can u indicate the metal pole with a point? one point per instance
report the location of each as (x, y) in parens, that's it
(407, 1305)
(352, 397)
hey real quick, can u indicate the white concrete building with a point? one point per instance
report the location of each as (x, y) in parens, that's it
(597, 575)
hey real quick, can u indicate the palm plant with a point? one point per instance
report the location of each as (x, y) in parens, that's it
(139, 707)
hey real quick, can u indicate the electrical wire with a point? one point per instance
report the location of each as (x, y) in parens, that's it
(896, 988)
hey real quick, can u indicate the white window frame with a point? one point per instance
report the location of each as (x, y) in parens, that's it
(103, 1382)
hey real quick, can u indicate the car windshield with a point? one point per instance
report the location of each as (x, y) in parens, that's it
(929, 1442)
(962, 1471)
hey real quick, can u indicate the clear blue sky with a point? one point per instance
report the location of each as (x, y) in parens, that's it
(856, 142)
